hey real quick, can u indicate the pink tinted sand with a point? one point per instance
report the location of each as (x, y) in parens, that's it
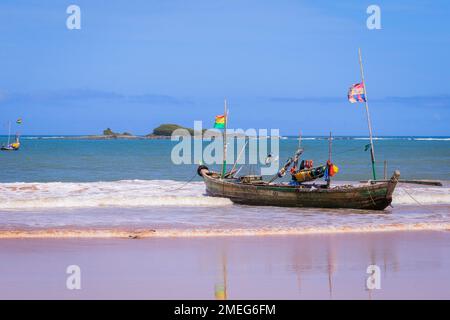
(413, 265)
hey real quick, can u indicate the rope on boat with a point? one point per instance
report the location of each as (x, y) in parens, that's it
(370, 194)
(412, 197)
(406, 191)
(185, 184)
(345, 151)
(181, 187)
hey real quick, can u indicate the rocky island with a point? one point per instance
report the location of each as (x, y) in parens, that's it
(163, 131)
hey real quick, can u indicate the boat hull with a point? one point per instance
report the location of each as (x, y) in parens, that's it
(370, 196)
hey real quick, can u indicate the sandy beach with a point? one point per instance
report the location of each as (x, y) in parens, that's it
(414, 265)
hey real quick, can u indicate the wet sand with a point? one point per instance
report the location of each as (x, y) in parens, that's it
(413, 265)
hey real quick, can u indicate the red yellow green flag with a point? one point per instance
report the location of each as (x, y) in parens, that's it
(220, 122)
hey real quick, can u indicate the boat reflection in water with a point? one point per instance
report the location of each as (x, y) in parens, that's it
(311, 267)
(220, 291)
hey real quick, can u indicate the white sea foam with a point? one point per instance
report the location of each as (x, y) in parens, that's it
(408, 194)
(403, 138)
(125, 193)
(378, 138)
(432, 139)
(143, 193)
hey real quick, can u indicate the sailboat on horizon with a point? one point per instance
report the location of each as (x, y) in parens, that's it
(16, 144)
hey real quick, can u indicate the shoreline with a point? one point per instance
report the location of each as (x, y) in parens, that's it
(413, 265)
(148, 233)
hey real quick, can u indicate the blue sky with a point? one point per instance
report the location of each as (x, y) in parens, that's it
(281, 64)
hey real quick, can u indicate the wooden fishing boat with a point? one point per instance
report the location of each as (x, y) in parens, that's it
(254, 191)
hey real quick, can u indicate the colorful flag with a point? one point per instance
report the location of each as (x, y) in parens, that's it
(356, 93)
(220, 122)
(19, 121)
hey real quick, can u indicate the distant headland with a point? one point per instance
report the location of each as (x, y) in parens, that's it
(164, 131)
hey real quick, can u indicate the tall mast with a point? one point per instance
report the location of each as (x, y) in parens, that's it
(224, 165)
(300, 139)
(329, 162)
(9, 131)
(372, 151)
(238, 157)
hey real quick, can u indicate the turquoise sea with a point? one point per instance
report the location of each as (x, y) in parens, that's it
(51, 159)
(66, 188)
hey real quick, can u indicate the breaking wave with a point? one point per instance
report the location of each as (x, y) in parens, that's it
(125, 193)
(147, 193)
(432, 139)
(408, 194)
(378, 138)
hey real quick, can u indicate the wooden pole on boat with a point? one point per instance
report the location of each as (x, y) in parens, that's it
(239, 156)
(296, 158)
(224, 165)
(300, 139)
(329, 147)
(372, 151)
(385, 170)
(329, 162)
(9, 132)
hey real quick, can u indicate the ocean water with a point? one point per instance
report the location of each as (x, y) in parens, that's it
(54, 187)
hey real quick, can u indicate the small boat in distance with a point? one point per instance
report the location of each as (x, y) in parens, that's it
(16, 144)
(12, 146)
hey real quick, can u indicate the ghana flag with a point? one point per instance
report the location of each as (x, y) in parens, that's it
(220, 122)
